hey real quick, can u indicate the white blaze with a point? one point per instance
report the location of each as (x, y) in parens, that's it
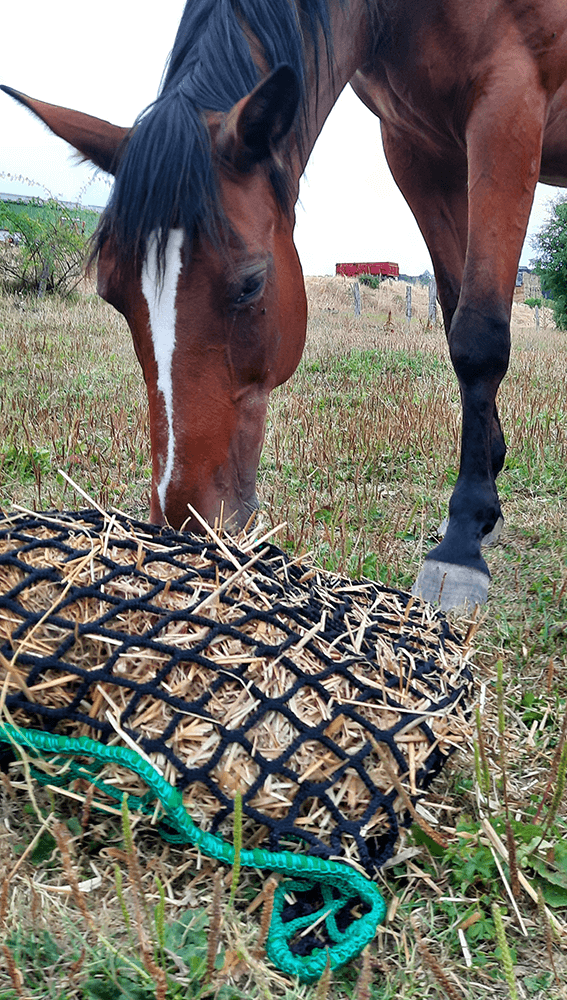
(160, 296)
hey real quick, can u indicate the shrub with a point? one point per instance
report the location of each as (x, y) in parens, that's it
(372, 280)
(48, 251)
(551, 262)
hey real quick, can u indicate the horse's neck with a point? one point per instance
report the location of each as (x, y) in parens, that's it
(350, 32)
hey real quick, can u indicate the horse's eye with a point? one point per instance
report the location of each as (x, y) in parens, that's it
(250, 289)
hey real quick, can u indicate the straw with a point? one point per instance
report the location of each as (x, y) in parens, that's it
(267, 675)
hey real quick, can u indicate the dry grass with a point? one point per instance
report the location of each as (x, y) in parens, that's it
(72, 397)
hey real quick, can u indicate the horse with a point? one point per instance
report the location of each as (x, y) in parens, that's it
(196, 248)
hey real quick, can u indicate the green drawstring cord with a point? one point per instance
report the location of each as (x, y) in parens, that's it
(307, 871)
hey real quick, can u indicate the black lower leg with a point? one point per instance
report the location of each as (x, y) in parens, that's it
(479, 345)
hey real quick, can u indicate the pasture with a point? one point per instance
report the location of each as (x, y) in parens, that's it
(360, 457)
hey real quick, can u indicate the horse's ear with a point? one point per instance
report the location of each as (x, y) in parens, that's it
(262, 119)
(96, 140)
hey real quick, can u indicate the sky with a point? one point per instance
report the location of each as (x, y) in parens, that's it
(107, 59)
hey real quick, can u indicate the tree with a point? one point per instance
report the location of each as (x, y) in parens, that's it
(551, 261)
(46, 252)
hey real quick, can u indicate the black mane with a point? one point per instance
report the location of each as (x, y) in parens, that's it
(166, 176)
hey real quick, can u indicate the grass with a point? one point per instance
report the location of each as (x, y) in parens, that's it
(360, 457)
(72, 398)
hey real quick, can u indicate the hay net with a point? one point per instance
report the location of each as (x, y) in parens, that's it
(233, 670)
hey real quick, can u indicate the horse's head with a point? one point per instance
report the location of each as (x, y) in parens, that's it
(217, 320)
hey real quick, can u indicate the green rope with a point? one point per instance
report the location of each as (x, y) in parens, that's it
(310, 870)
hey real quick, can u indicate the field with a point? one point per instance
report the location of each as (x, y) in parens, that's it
(360, 457)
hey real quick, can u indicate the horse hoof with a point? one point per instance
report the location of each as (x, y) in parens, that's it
(489, 539)
(451, 587)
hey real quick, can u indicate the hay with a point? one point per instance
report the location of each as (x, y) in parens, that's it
(233, 669)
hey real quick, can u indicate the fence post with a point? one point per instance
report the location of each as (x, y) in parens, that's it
(537, 319)
(43, 279)
(408, 305)
(356, 294)
(432, 312)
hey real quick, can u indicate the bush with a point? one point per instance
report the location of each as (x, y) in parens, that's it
(372, 280)
(551, 262)
(48, 251)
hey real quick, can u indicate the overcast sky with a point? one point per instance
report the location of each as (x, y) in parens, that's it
(107, 59)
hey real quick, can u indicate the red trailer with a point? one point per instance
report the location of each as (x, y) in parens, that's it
(385, 268)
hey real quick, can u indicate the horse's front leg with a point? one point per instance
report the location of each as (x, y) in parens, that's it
(436, 188)
(504, 137)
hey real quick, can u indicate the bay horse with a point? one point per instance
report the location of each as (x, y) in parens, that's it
(196, 248)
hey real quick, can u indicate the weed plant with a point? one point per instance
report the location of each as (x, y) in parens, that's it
(360, 458)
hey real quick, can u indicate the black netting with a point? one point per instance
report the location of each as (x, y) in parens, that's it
(275, 680)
